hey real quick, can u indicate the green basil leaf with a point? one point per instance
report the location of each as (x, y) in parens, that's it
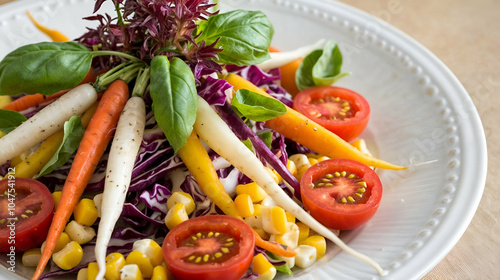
(257, 107)
(267, 137)
(282, 268)
(175, 99)
(244, 36)
(44, 68)
(73, 133)
(10, 120)
(248, 143)
(321, 67)
(303, 76)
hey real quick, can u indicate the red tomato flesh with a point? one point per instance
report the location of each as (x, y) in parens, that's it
(209, 247)
(26, 208)
(341, 193)
(340, 110)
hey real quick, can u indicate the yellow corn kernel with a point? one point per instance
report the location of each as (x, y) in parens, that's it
(289, 238)
(312, 161)
(303, 231)
(290, 217)
(79, 233)
(4, 100)
(176, 215)
(253, 190)
(290, 165)
(92, 271)
(263, 267)
(160, 273)
(300, 171)
(61, 242)
(257, 209)
(317, 242)
(131, 272)
(300, 160)
(82, 274)
(244, 205)
(142, 261)
(57, 197)
(114, 262)
(306, 256)
(85, 212)
(254, 221)
(268, 202)
(181, 197)
(151, 249)
(31, 257)
(98, 202)
(322, 158)
(276, 176)
(69, 257)
(274, 220)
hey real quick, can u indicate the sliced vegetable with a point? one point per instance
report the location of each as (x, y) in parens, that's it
(26, 209)
(209, 247)
(218, 136)
(300, 129)
(47, 121)
(341, 193)
(93, 144)
(340, 110)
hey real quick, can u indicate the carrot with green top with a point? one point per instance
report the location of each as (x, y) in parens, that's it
(299, 128)
(196, 159)
(92, 146)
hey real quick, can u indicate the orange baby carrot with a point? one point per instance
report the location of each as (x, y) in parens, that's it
(299, 128)
(274, 248)
(92, 146)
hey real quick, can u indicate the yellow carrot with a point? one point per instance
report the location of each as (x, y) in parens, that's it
(196, 159)
(297, 127)
(54, 35)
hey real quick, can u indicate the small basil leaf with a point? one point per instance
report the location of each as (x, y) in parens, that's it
(248, 143)
(175, 99)
(327, 69)
(44, 68)
(244, 36)
(73, 133)
(266, 137)
(303, 76)
(10, 120)
(320, 67)
(257, 107)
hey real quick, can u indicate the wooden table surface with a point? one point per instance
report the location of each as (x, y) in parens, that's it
(465, 35)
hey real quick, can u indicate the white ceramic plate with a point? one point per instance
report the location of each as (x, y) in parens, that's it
(421, 116)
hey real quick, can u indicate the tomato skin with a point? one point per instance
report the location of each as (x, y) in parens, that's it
(233, 268)
(347, 129)
(321, 204)
(30, 232)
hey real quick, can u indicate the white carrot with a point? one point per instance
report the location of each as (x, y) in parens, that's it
(122, 155)
(46, 122)
(218, 136)
(279, 59)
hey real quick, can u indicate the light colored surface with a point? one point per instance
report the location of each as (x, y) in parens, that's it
(454, 30)
(465, 35)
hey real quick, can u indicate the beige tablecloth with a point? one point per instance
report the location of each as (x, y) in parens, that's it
(465, 35)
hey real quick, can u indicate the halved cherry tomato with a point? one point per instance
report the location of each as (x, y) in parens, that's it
(340, 110)
(209, 247)
(26, 210)
(341, 193)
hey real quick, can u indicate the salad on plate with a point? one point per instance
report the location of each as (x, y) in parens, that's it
(172, 140)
